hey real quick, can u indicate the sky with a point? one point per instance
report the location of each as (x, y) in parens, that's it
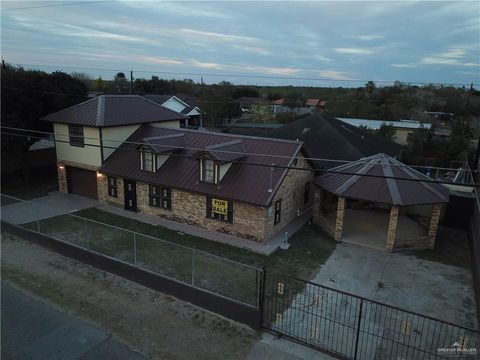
(315, 43)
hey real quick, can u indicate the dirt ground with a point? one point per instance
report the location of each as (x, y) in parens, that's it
(158, 326)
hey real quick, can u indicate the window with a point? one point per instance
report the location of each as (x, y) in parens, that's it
(278, 211)
(306, 194)
(208, 171)
(112, 186)
(75, 133)
(219, 209)
(160, 197)
(147, 161)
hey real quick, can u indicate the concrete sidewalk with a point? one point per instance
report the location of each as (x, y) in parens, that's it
(266, 248)
(54, 204)
(34, 330)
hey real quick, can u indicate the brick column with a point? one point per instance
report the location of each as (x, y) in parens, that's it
(392, 227)
(62, 178)
(432, 229)
(339, 221)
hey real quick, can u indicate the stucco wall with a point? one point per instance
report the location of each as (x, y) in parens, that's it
(168, 124)
(401, 136)
(90, 154)
(118, 134)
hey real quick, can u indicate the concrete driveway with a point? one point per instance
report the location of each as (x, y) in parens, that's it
(427, 287)
(54, 204)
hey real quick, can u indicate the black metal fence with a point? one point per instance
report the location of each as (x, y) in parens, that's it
(353, 327)
(475, 247)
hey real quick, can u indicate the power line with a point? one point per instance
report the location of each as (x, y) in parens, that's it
(272, 166)
(220, 101)
(232, 152)
(242, 75)
(56, 5)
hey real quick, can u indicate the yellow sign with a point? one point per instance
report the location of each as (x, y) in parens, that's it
(219, 206)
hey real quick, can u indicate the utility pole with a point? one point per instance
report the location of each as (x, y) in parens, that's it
(131, 82)
(3, 63)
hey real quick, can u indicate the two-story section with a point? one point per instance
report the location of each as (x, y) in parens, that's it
(248, 187)
(88, 133)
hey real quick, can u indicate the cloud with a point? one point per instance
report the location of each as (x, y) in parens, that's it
(354, 51)
(457, 56)
(368, 37)
(217, 36)
(333, 74)
(409, 65)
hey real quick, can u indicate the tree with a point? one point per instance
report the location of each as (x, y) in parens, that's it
(385, 131)
(245, 92)
(294, 100)
(28, 95)
(99, 85)
(369, 87)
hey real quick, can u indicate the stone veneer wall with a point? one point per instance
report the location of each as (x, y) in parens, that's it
(321, 210)
(62, 173)
(392, 228)
(190, 208)
(291, 192)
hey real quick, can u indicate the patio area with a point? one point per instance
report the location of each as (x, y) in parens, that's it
(369, 228)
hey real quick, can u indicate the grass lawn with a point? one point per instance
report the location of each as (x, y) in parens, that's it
(309, 249)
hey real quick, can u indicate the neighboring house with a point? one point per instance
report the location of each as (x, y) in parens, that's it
(87, 134)
(310, 105)
(216, 181)
(249, 104)
(328, 138)
(403, 128)
(182, 105)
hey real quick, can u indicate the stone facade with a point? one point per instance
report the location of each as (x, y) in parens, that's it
(392, 227)
(433, 228)
(339, 219)
(62, 173)
(322, 219)
(291, 192)
(249, 221)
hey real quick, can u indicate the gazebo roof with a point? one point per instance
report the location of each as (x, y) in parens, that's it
(379, 188)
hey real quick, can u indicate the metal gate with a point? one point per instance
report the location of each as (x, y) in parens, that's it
(352, 327)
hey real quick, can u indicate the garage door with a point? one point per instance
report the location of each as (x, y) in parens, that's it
(82, 182)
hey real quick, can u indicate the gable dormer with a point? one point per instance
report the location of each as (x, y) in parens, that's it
(159, 149)
(215, 160)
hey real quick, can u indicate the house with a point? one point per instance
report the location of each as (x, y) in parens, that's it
(379, 202)
(403, 128)
(87, 134)
(216, 181)
(278, 106)
(328, 138)
(248, 103)
(183, 105)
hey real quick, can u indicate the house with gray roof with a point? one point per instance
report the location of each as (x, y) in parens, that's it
(87, 134)
(182, 104)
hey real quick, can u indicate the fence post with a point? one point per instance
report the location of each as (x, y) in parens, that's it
(261, 293)
(358, 328)
(135, 248)
(87, 237)
(193, 266)
(38, 217)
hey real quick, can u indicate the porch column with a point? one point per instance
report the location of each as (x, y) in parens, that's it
(339, 221)
(392, 227)
(432, 229)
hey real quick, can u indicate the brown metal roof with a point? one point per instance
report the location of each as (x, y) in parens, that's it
(167, 143)
(242, 182)
(411, 191)
(114, 110)
(227, 151)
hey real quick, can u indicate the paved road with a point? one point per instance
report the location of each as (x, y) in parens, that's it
(34, 330)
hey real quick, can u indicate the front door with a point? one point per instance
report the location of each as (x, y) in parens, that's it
(130, 190)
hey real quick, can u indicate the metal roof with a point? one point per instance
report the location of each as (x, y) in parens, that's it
(227, 151)
(167, 143)
(114, 110)
(411, 191)
(242, 182)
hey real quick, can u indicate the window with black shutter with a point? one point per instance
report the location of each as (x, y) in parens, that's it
(306, 194)
(160, 197)
(112, 186)
(219, 209)
(278, 211)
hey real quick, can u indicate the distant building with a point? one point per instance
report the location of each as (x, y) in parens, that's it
(403, 128)
(310, 105)
(181, 105)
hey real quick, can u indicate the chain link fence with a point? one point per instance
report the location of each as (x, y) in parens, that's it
(206, 271)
